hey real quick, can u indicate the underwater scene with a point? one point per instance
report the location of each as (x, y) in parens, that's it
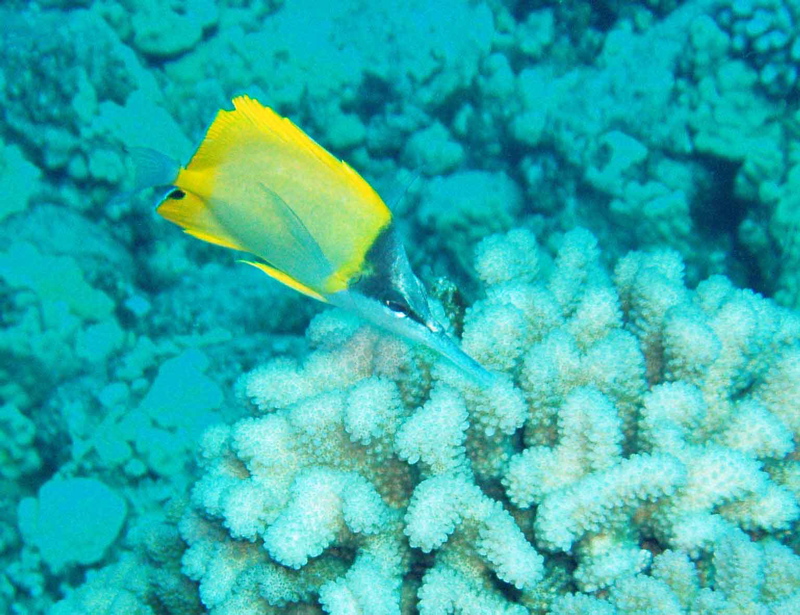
(400, 306)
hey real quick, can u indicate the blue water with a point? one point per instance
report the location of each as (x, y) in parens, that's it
(661, 126)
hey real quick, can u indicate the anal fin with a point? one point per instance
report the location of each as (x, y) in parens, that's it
(192, 214)
(287, 280)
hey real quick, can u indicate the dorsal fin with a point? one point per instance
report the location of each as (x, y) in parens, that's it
(251, 123)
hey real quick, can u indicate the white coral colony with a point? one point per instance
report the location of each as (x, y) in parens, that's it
(633, 412)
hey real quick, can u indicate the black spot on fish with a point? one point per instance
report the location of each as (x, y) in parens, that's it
(176, 195)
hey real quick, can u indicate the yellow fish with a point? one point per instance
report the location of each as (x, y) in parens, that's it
(259, 184)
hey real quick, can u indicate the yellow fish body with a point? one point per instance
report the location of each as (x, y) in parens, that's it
(259, 184)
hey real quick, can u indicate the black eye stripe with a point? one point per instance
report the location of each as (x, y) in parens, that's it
(395, 307)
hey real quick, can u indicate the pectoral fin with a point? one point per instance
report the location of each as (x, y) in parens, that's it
(307, 255)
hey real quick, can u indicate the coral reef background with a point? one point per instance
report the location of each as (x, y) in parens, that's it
(604, 199)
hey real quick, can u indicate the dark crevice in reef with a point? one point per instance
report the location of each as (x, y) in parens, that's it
(747, 272)
(720, 213)
(374, 94)
(595, 14)
(717, 215)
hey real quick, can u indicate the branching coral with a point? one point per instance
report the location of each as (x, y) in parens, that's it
(639, 435)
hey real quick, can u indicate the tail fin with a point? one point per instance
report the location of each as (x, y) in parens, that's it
(152, 168)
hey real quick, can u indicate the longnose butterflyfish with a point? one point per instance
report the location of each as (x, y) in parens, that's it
(259, 184)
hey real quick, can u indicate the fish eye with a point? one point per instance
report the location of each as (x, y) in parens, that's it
(176, 195)
(396, 308)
